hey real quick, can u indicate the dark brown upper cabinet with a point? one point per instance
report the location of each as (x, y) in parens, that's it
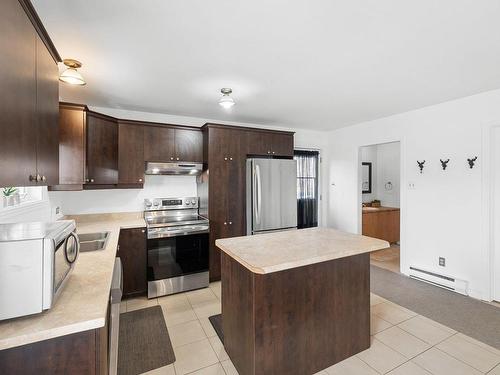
(72, 131)
(282, 144)
(47, 106)
(102, 150)
(188, 145)
(29, 91)
(159, 143)
(130, 154)
(270, 143)
(166, 144)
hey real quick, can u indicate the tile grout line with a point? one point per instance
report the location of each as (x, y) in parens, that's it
(460, 360)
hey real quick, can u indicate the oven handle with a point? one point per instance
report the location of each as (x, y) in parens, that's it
(153, 235)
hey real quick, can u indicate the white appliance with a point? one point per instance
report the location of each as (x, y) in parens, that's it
(271, 195)
(35, 262)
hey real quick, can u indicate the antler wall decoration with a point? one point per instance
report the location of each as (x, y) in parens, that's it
(472, 162)
(421, 165)
(444, 163)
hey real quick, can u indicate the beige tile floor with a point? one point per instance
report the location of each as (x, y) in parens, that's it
(387, 258)
(403, 343)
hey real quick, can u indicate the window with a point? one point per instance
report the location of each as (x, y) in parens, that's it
(16, 196)
(307, 188)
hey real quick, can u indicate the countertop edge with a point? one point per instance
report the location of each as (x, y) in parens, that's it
(296, 264)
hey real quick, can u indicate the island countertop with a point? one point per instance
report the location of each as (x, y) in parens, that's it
(278, 251)
(83, 302)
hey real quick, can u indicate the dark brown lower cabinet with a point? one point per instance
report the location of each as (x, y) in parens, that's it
(83, 353)
(133, 254)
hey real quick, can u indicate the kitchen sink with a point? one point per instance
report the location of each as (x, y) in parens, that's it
(93, 241)
(84, 237)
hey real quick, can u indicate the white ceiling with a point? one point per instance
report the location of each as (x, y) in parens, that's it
(319, 64)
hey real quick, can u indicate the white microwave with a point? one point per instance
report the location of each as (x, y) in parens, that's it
(36, 260)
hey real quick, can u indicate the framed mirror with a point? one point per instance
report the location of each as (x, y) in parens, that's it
(366, 177)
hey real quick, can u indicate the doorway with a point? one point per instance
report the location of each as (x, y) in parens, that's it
(380, 184)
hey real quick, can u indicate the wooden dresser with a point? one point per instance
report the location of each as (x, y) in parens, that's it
(382, 223)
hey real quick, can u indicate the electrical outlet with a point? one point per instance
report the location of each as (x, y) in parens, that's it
(442, 262)
(411, 186)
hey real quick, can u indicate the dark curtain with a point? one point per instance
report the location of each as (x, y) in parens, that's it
(307, 188)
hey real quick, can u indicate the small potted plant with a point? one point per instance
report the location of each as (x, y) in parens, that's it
(376, 203)
(10, 196)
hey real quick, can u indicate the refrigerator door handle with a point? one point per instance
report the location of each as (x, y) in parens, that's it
(258, 194)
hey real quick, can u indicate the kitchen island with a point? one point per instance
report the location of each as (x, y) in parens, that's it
(295, 302)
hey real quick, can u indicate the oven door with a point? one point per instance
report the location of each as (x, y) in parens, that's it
(177, 256)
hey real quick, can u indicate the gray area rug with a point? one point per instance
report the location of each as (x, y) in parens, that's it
(216, 321)
(144, 343)
(464, 314)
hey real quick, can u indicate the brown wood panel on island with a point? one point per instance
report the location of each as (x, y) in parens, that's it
(297, 321)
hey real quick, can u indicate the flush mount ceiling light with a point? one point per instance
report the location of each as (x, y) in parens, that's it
(226, 101)
(71, 74)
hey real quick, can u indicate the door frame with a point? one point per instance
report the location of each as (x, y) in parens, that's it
(403, 258)
(492, 257)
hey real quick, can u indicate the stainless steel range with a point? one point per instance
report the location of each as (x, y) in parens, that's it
(177, 245)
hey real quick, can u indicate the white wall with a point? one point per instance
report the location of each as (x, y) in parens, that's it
(124, 200)
(444, 215)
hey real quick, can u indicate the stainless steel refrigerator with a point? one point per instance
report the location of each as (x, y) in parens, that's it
(271, 195)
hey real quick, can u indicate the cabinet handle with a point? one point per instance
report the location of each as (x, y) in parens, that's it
(268, 152)
(171, 158)
(230, 158)
(273, 152)
(38, 178)
(176, 158)
(140, 179)
(225, 158)
(225, 223)
(91, 180)
(230, 223)
(143, 231)
(44, 178)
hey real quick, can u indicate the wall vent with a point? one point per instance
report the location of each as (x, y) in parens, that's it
(442, 281)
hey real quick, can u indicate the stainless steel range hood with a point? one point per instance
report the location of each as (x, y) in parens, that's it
(174, 168)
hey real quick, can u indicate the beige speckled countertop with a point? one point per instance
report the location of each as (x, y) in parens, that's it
(84, 300)
(278, 251)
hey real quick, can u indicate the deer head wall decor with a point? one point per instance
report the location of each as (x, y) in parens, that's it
(421, 165)
(472, 162)
(444, 163)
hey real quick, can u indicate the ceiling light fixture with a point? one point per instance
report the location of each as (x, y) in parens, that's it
(71, 74)
(226, 101)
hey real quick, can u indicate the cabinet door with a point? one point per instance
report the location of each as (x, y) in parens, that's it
(159, 144)
(71, 145)
(130, 154)
(188, 145)
(47, 100)
(18, 96)
(102, 150)
(133, 254)
(282, 144)
(236, 183)
(218, 156)
(259, 143)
